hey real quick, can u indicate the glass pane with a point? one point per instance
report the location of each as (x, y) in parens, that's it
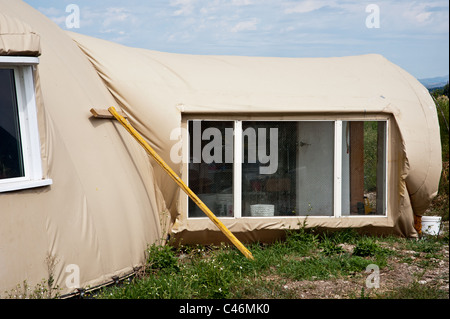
(363, 167)
(11, 160)
(287, 168)
(211, 166)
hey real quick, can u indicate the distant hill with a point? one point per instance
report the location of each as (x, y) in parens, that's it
(435, 82)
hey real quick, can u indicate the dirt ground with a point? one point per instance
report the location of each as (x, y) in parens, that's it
(393, 276)
(432, 272)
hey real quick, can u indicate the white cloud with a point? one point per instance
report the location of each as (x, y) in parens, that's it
(186, 7)
(405, 17)
(180, 37)
(270, 27)
(52, 11)
(58, 16)
(423, 17)
(418, 13)
(241, 2)
(306, 6)
(245, 25)
(287, 29)
(116, 15)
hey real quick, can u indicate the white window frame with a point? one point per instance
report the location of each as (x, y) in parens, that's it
(338, 169)
(337, 200)
(337, 186)
(26, 103)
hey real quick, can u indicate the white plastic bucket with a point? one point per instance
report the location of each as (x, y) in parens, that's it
(431, 225)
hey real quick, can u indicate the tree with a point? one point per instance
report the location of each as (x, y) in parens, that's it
(445, 90)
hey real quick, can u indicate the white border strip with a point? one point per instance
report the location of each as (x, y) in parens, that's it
(237, 167)
(337, 168)
(14, 186)
(19, 60)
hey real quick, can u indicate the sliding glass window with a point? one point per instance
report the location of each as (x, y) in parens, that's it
(363, 168)
(288, 168)
(211, 166)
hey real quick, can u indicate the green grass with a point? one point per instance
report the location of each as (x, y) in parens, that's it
(415, 291)
(197, 272)
(323, 267)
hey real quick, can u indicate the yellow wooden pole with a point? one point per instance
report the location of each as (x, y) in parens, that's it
(180, 183)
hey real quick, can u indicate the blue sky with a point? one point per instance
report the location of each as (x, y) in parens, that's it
(412, 34)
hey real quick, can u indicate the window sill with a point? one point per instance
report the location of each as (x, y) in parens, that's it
(288, 217)
(14, 186)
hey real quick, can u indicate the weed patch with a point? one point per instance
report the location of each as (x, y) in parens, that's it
(282, 269)
(162, 258)
(415, 291)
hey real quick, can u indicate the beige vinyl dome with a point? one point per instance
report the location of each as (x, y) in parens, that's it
(108, 200)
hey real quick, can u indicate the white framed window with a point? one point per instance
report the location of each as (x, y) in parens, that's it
(20, 157)
(284, 168)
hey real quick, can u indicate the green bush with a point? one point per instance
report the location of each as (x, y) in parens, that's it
(330, 247)
(161, 258)
(210, 278)
(303, 240)
(366, 247)
(347, 235)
